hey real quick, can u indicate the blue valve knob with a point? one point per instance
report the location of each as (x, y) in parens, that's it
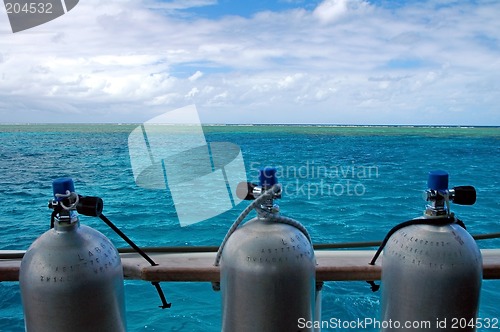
(438, 180)
(61, 185)
(267, 177)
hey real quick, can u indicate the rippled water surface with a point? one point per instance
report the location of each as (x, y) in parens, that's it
(343, 183)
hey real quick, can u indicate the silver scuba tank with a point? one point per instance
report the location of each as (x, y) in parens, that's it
(432, 270)
(71, 277)
(267, 269)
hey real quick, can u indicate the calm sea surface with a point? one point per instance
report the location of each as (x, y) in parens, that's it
(343, 183)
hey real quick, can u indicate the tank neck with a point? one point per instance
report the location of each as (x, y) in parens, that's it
(67, 222)
(267, 208)
(437, 208)
(265, 214)
(65, 227)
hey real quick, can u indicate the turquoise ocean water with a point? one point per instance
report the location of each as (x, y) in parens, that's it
(343, 183)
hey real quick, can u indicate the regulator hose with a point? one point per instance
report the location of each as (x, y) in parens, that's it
(255, 205)
(267, 194)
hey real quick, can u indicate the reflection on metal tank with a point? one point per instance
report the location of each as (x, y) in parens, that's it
(267, 278)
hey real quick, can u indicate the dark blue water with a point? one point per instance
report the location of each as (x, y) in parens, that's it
(343, 183)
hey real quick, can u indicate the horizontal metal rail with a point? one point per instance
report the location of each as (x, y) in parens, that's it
(198, 265)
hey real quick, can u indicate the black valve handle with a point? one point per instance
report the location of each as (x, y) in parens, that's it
(464, 195)
(244, 191)
(89, 206)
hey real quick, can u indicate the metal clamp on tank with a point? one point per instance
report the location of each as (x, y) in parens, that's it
(67, 203)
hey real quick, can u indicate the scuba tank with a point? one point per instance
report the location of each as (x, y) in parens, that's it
(71, 277)
(432, 267)
(267, 267)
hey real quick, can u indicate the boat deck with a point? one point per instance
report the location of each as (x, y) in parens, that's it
(332, 265)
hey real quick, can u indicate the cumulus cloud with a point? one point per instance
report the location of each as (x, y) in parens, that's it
(195, 76)
(330, 11)
(344, 61)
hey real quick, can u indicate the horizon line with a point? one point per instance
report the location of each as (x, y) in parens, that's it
(259, 124)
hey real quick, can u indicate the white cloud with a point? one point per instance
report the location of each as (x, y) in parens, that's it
(330, 11)
(194, 91)
(195, 76)
(345, 61)
(289, 81)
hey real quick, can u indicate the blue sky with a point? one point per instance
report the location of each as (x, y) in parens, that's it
(434, 62)
(247, 9)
